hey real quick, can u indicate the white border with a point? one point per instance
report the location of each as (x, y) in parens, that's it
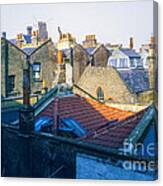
(44, 182)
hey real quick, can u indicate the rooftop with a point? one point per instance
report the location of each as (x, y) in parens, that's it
(100, 124)
(136, 80)
(29, 50)
(130, 52)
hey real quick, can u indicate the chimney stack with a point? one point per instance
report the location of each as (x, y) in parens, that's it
(131, 45)
(4, 34)
(29, 30)
(152, 40)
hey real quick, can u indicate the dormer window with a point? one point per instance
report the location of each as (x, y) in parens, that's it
(100, 94)
(113, 62)
(123, 63)
(11, 83)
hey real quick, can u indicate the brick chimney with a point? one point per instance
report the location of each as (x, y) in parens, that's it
(152, 40)
(19, 40)
(131, 44)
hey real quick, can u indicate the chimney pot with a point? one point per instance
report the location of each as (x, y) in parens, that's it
(131, 46)
(152, 40)
(60, 59)
(4, 34)
(29, 30)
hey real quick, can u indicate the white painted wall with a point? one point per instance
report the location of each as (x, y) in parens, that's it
(69, 74)
(92, 167)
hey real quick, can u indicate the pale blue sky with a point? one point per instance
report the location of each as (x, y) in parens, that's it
(112, 22)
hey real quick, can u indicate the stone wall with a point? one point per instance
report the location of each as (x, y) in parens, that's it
(147, 97)
(48, 67)
(101, 56)
(114, 88)
(3, 67)
(35, 156)
(43, 155)
(14, 65)
(80, 62)
(13, 61)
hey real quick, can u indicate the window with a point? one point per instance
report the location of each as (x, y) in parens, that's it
(11, 83)
(139, 63)
(36, 71)
(133, 62)
(100, 94)
(113, 62)
(123, 63)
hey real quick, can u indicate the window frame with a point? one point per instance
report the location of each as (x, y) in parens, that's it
(36, 71)
(100, 94)
(11, 88)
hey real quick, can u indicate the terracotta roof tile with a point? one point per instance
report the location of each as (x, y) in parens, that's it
(105, 125)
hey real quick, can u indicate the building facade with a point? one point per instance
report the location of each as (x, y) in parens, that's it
(80, 62)
(125, 58)
(32, 38)
(104, 84)
(13, 61)
(100, 56)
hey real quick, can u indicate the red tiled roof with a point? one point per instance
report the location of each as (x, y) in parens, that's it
(114, 137)
(94, 117)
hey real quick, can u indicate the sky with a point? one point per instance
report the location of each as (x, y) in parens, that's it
(112, 22)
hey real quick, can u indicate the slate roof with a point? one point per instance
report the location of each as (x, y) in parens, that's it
(136, 80)
(89, 50)
(28, 50)
(13, 41)
(130, 53)
(27, 38)
(104, 125)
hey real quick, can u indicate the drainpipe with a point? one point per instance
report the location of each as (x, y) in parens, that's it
(71, 56)
(56, 114)
(26, 83)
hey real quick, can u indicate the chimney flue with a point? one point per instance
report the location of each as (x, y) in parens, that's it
(152, 40)
(131, 45)
(60, 58)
